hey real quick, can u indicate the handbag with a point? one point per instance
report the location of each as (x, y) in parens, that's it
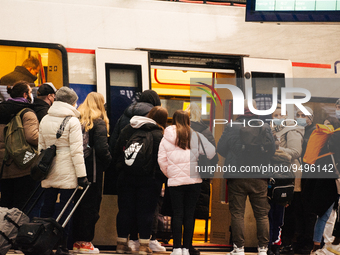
(42, 166)
(203, 162)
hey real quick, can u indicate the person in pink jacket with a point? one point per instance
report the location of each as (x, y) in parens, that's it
(177, 157)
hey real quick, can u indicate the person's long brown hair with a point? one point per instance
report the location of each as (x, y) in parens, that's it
(160, 115)
(182, 121)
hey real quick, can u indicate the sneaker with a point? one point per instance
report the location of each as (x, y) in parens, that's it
(323, 251)
(76, 246)
(155, 246)
(185, 251)
(176, 251)
(134, 245)
(122, 246)
(237, 251)
(262, 250)
(87, 247)
(334, 248)
(144, 249)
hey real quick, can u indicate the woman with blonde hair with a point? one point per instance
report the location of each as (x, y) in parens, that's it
(95, 124)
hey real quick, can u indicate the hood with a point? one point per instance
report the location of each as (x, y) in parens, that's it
(138, 109)
(138, 121)
(23, 70)
(61, 109)
(151, 97)
(9, 108)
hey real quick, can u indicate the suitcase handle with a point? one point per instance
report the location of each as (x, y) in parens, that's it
(75, 206)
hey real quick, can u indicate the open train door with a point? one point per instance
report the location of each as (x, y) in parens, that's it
(261, 75)
(121, 76)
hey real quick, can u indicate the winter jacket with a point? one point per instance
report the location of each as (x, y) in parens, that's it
(8, 110)
(291, 139)
(180, 165)
(40, 107)
(98, 141)
(147, 101)
(68, 164)
(148, 125)
(230, 145)
(19, 73)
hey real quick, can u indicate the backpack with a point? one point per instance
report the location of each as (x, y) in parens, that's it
(256, 146)
(16, 146)
(317, 141)
(138, 153)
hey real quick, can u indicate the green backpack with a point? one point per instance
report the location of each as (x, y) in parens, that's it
(16, 146)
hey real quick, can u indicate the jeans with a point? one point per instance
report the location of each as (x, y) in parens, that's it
(256, 189)
(183, 200)
(320, 225)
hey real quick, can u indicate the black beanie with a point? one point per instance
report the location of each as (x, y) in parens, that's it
(150, 96)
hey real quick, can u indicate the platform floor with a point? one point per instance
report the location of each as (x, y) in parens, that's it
(11, 252)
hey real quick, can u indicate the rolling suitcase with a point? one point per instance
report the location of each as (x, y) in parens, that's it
(41, 235)
(10, 222)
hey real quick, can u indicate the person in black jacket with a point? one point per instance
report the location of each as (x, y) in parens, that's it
(240, 186)
(45, 98)
(138, 192)
(26, 72)
(94, 120)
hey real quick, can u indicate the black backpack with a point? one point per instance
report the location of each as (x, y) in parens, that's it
(138, 153)
(256, 146)
(87, 149)
(281, 187)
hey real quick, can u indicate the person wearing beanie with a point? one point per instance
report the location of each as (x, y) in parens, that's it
(44, 100)
(68, 170)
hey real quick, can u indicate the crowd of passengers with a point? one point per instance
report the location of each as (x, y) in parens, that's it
(307, 225)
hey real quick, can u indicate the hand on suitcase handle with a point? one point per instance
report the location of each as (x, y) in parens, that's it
(83, 182)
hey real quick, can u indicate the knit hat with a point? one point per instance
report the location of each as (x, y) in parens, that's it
(150, 96)
(66, 95)
(46, 89)
(337, 102)
(310, 111)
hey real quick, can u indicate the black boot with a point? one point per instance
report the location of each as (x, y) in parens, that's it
(194, 251)
(275, 249)
(62, 250)
(286, 249)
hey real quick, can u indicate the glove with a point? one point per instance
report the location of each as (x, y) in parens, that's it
(83, 181)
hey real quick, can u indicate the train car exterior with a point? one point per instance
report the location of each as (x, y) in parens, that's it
(90, 43)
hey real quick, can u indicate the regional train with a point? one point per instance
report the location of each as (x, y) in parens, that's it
(122, 47)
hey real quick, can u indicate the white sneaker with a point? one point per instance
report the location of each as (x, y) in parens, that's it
(176, 251)
(323, 251)
(237, 251)
(185, 251)
(155, 246)
(334, 249)
(262, 250)
(134, 245)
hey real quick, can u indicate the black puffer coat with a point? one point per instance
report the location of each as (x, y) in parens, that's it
(19, 73)
(40, 107)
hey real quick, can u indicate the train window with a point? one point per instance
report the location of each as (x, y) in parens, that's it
(123, 85)
(52, 61)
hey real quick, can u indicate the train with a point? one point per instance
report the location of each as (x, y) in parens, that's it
(123, 47)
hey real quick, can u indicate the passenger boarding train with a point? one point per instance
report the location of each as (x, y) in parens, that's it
(122, 47)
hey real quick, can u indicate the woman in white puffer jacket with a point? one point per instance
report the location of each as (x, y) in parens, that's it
(68, 169)
(177, 157)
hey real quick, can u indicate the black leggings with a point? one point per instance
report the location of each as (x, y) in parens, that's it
(183, 200)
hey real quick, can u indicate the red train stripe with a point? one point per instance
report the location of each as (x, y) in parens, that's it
(85, 51)
(312, 65)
